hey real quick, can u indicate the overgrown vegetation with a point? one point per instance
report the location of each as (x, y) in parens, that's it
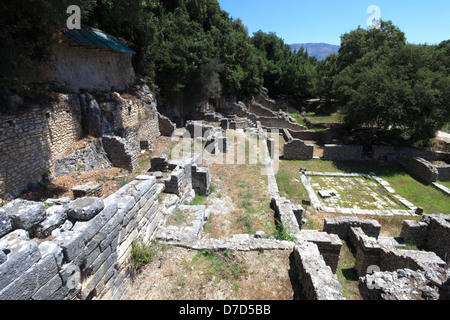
(220, 265)
(142, 254)
(191, 51)
(415, 191)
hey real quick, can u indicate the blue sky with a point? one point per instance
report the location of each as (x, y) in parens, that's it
(300, 21)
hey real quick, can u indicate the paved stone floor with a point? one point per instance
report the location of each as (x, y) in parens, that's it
(355, 193)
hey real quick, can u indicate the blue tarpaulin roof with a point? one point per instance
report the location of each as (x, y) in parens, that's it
(96, 38)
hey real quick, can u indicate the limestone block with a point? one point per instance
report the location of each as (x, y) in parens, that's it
(56, 216)
(71, 243)
(5, 223)
(85, 209)
(21, 255)
(25, 214)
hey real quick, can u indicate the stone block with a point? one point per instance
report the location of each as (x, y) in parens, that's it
(72, 244)
(5, 223)
(25, 214)
(422, 169)
(85, 209)
(55, 217)
(21, 256)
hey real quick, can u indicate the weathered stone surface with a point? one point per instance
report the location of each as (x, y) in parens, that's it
(71, 243)
(88, 159)
(21, 255)
(56, 215)
(25, 214)
(341, 226)
(404, 284)
(297, 149)
(335, 152)
(85, 209)
(316, 278)
(422, 169)
(5, 223)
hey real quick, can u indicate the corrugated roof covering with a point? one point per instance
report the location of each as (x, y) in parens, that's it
(96, 38)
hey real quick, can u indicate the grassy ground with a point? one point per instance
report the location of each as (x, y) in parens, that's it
(347, 275)
(445, 183)
(246, 186)
(417, 192)
(324, 119)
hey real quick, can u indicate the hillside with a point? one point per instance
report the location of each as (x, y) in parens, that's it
(318, 50)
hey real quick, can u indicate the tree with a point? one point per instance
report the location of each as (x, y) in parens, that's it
(325, 72)
(28, 29)
(404, 89)
(355, 44)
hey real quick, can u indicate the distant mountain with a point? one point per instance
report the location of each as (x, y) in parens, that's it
(318, 50)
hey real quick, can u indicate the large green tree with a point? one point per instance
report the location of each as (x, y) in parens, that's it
(403, 89)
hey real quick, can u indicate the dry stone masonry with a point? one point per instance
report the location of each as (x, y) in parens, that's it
(90, 258)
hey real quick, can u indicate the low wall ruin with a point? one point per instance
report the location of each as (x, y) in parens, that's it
(297, 149)
(89, 254)
(338, 152)
(316, 278)
(422, 169)
(387, 258)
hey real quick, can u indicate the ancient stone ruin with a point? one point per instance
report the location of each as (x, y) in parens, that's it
(80, 248)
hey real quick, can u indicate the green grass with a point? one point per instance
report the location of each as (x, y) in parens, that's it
(295, 191)
(446, 127)
(445, 183)
(299, 118)
(415, 191)
(347, 275)
(324, 119)
(219, 265)
(142, 254)
(198, 200)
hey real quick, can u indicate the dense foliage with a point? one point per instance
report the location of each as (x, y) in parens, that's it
(387, 83)
(188, 50)
(192, 51)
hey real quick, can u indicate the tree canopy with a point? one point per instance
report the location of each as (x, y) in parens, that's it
(384, 82)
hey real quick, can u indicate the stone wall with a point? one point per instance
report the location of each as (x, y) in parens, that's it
(200, 180)
(391, 153)
(259, 110)
(298, 150)
(88, 256)
(422, 169)
(180, 181)
(438, 239)
(90, 158)
(444, 172)
(367, 250)
(82, 68)
(341, 226)
(121, 153)
(369, 253)
(32, 139)
(329, 246)
(432, 233)
(316, 278)
(335, 152)
(415, 232)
